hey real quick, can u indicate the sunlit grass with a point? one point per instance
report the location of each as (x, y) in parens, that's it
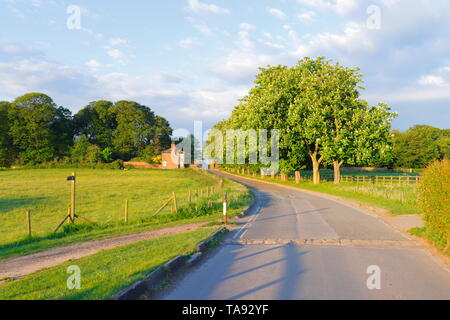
(104, 274)
(101, 196)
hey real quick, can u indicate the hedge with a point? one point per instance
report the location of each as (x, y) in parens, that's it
(434, 199)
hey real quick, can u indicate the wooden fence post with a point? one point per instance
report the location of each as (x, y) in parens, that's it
(29, 223)
(175, 205)
(72, 198)
(298, 177)
(69, 215)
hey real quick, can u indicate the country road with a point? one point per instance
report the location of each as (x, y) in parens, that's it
(294, 245)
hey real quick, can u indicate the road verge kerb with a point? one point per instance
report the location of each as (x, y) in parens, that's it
(158, 277)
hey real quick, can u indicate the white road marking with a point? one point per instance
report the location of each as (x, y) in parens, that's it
(245, 228)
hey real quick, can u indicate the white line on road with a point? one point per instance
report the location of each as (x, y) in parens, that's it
(244, 229)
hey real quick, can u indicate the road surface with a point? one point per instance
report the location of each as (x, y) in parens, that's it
(295, 245)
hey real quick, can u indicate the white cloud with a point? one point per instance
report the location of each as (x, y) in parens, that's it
(189, 43)
(118, 42)
(431, 80)
(118, 56)
(201, 27)
(307, 16)
(277, 13)
(341, 7)
(353, 39)
(94, 65)
(246, 26)
(197, 6)
(241, 66)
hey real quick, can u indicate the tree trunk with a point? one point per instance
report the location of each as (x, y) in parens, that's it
(337, 171)
(316, 165)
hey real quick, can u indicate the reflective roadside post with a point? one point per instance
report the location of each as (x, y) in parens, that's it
(225, 218)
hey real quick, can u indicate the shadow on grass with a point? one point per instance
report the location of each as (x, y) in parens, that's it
(11, 204)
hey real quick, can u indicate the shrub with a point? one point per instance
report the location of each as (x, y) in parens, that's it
(434, 199)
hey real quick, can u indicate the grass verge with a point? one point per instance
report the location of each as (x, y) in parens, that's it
(397, 200)
(106, 273)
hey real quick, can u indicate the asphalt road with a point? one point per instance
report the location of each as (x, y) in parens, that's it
(300, 246)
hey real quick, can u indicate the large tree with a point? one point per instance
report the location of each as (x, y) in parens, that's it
(135, 128)
(419, 146)
(316, 107)
(327, 99)
(97, 122)
(126, 128)
(39, 129)
(7, 152)
(361, 136)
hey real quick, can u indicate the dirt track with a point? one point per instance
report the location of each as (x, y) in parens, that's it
(20, 266)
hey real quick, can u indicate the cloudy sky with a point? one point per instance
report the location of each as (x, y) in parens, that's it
(192, 59)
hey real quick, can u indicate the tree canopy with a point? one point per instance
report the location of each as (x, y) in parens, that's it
(316, 105)
(420, 145)
(33, 130)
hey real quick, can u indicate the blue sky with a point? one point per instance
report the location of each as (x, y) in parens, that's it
(192, 59)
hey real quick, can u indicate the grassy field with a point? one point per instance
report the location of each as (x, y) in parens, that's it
(104, 274)
(397, 199)
(101, 196)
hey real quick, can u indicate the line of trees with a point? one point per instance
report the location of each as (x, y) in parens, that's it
(34, 130)
(322, 120)
(316, 105)
(420, 145)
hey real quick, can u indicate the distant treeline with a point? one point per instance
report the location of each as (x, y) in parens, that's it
(419, 146)
(34, 130)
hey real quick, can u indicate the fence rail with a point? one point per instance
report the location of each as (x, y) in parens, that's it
(385, 180)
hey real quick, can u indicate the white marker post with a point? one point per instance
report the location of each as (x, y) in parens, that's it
(225, 218)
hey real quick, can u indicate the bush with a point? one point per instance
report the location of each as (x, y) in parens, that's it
(434, 199)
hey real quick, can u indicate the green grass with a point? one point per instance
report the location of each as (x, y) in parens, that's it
(397, 200)
(329, 173)
(100, 197)
(430, 235)
(106, 273)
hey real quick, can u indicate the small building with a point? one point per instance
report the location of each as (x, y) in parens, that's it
(173, 158)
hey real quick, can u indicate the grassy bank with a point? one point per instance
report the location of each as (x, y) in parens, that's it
(104, 274)
(100, 198)
(397, 200)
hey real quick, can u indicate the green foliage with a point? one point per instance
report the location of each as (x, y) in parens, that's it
(316, 106)
(420, 145)
(38, 128)
(107, 154)
(34, 130)
(7, 151)
(434, 199)
(80, 149)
